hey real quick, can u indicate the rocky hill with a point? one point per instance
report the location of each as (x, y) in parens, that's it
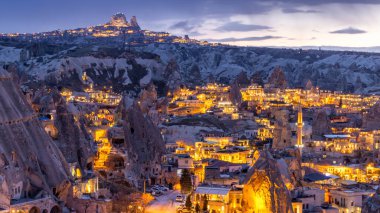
(195, 64)
(173, 64)
(333, 70)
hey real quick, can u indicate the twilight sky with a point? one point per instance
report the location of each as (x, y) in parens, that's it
(350, 23)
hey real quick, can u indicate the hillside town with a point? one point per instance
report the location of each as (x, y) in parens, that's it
(118, 30)
(115, 118)
(219, 148)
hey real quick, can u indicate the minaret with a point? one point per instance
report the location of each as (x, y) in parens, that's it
(299, 130)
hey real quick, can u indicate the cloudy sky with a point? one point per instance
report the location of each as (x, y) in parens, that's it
(350, 23)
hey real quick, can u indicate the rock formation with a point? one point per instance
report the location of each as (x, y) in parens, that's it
(282, 132)
(289, 163)
(277, 78)
(264, 190)
(134, 22)
(234, 94)
(242, 79)
(118, 20)
(172, 75)
(256, 78)
(30, 162)
(371, 120)
(147, 98)
(321, 124)
(144, 146)
(309, 85)
(72, 138)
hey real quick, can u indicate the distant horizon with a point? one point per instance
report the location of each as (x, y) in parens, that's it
(267, 23)
(368, 49)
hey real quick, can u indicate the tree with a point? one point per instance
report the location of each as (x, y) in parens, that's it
(172, 179)
(185, 181)
(197, 208)
(146, 199)
(188, 203)
(205, 203)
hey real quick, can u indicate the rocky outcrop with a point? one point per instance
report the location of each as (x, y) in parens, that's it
(277, 79)
(282, 131)
(242, 79)
(371, 120)
(321, 124)
(72, 138)
(29, 159)
(172, 75)
(144, 146)
(118, 20)
(147, 98)
(264, 189)
(134, 22)
(256, 78)
(234, 94)
(289, 163)
(194, 75)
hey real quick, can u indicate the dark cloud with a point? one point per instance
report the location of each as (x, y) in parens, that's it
(349, 30)
(295, 10)
(258, 38)
(182, 25)
(239, 27)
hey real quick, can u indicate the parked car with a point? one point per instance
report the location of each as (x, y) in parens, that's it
(180, 198)
(156, 192)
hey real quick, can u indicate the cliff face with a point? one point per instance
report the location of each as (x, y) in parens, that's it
(71, 136)
(28, 157)
(144, 146)
(264, 190)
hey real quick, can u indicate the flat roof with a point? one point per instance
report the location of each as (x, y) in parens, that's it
(212, 190)
(337, 136)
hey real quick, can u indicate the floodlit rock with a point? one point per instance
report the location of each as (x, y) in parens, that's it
(264, 190)
(118, 20)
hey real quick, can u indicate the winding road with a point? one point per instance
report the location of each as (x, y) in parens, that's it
(164, 203)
